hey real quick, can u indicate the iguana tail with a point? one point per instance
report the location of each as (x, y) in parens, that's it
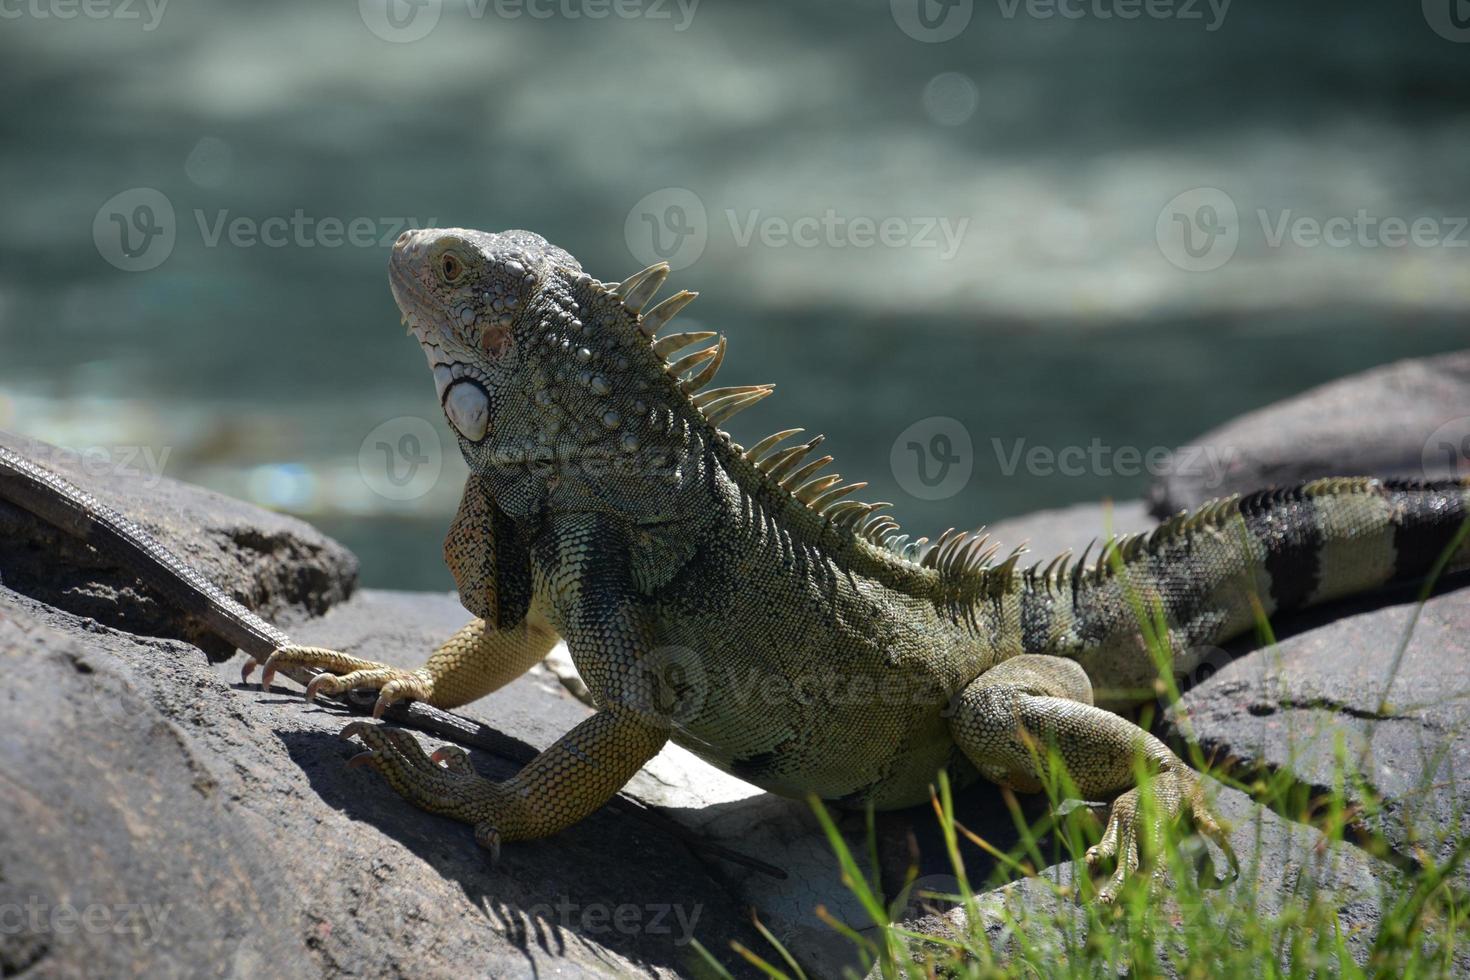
(1209, 576)
(67, 507)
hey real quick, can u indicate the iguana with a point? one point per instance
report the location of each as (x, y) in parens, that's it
(741, 603)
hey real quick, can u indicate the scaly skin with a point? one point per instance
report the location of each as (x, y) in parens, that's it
(742, 605)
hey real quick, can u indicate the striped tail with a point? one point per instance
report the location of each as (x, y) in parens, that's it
(1213, 573)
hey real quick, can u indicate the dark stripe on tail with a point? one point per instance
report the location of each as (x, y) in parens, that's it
(1429, 523)
(1293, 547)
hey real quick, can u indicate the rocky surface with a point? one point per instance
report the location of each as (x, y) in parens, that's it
(1410, 420)
(212, 828)
(1397, 711)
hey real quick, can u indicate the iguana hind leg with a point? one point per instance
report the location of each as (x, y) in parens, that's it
(1010, 720)
(472, 663)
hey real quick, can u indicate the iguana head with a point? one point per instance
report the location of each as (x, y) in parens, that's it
(550, 378)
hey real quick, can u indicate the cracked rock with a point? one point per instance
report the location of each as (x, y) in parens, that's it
(1290, 707)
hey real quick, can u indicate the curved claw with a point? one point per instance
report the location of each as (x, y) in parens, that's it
(354, 729)
(453, 758)
(362, 759)
(268, 671)
(489, 838)
(247, 669)
(317, 682)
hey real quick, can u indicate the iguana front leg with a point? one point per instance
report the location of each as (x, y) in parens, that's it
(1009, 718)
(487, 556)
(472, 663)
(588, 566)
(577, 774)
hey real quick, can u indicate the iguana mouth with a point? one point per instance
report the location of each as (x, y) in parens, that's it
(409, 296)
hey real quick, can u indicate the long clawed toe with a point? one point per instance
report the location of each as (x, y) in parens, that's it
(339, 673)
(311, 658)
(1130, 836)
(453, 758)
(441, 782)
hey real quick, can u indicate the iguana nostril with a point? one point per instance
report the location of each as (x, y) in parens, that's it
(403, 239)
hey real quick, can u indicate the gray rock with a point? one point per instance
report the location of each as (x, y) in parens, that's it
(1410, 420)
(1287, 708)
(141, 780)
(281, 567)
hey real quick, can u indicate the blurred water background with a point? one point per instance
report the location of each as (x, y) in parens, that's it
(1028, 170)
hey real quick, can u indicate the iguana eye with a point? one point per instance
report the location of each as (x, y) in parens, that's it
(450, 267)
